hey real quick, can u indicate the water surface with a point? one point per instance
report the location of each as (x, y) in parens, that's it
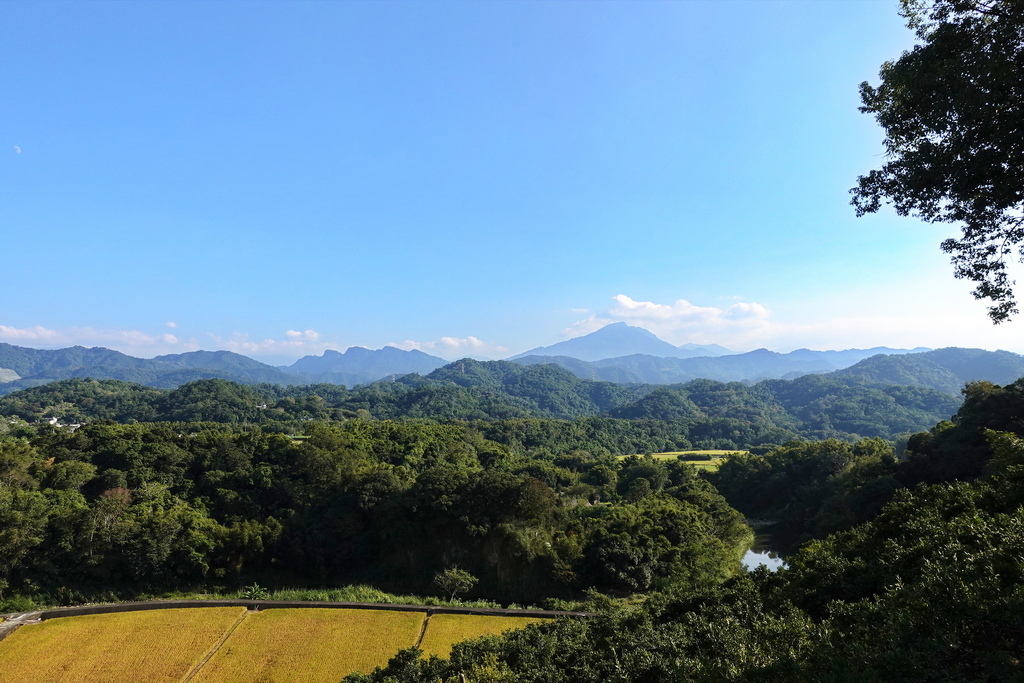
(763, 552)
(769, 558)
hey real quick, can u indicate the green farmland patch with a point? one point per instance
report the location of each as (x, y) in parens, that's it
(704, 460)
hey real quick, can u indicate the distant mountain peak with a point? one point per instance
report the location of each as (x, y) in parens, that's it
(621, 339)
(358, 365)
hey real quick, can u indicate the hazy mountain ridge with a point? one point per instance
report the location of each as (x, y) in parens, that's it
(29, 363)
(945, 370)
(22, 367)
(619, 339)
(752, 366)
(358, 365)
(35, 366)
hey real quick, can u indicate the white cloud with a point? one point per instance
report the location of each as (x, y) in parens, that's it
(456, 343)
(745, 311)
(37, 333)
(295, 345)
(453, 348)
(682, 312)
(142, 344)
(950, 321)
(929, 314)
(683, 322)
(132, 342)
(308, 335)
(172, 324)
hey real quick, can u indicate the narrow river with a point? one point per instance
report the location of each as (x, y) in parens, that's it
(762, 552)
(752, 560)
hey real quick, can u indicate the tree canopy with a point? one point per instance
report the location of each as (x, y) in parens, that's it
(953, 113)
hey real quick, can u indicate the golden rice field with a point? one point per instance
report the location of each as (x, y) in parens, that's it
(156, 645)
(310, 645)
(444, 630)
(229, 644)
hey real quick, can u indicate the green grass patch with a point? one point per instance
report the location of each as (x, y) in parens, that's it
(363, 593)
(704, 460)
(349, 593)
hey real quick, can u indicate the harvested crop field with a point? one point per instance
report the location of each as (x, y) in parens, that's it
(156, 645)
(310, 645)
(444, 630)
(230, 644)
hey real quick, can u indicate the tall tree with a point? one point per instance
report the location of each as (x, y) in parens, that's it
(953, 113)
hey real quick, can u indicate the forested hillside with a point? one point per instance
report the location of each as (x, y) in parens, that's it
(813, 489)
(929, 588)
(127, 508)
(220, 485)
(521, 503)
(945, 370)
(40, 366)
(701, 413)
(653, 368)
(22, 367)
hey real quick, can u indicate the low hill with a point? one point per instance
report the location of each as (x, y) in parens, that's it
(546, 390)
(945, 370)
(227, 363)
(817, 405)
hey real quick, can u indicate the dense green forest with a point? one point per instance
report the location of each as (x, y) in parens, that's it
(220, 482)
(901, 503)
(700, 413)
(929, 588)
(818, 487)
(945, 370)
(906, 561)
(154, 506)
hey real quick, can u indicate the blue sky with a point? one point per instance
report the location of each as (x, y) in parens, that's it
(467, 178)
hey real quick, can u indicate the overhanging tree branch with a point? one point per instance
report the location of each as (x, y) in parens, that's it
(953, 112)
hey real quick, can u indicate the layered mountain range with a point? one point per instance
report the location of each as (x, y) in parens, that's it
(22, 367)
(617, 353)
